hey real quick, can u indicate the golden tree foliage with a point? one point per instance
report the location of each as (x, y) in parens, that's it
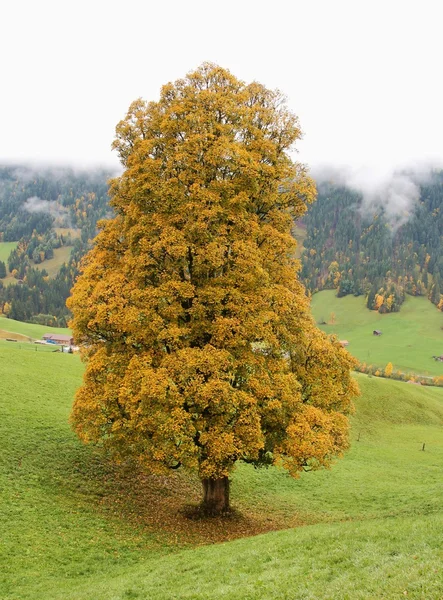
(388, 369)
(197, 335)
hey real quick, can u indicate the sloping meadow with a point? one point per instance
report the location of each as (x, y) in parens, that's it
(410, 338)
(76, 527)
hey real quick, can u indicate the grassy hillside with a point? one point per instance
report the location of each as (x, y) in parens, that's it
(24, 331)
(52, 265)
(300, 235)
(5, 250)
(75, 527)
(74, 233)
(409, 340)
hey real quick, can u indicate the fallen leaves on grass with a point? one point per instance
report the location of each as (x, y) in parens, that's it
(166, 507)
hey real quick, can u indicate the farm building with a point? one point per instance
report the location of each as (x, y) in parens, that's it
(376, 332)
(344, 343)
(59, 338)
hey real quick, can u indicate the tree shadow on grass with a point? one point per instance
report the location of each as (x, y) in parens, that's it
(166, 507)
(171, 505)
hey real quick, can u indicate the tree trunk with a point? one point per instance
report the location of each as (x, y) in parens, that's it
(215, 496)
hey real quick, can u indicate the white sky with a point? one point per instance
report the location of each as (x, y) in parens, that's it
(364, 77)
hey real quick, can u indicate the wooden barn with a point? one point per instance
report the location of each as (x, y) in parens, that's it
(59, 338)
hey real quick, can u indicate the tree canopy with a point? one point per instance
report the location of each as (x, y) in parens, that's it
(197, 335)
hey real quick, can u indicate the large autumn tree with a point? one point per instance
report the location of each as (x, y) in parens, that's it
(199, 345)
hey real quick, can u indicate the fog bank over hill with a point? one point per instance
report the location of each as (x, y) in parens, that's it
(396, 190)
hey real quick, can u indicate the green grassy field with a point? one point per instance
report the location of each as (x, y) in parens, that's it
(27, 330)
(74, 233)
(75, 527)
(409, 340)
(52, 265)
(5, 250)
(300, 235)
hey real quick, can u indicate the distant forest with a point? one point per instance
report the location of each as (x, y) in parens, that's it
(356, 251)
(43, 210)
(347, 247)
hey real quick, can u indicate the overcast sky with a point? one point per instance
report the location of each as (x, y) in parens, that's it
(364, 77)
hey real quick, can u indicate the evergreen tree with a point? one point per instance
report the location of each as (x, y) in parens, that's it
(342, 231)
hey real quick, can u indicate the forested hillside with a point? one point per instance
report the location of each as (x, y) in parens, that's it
(45, 211)
(359, 250)
(348, 247)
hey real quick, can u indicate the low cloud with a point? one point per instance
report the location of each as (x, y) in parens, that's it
(395, 191)
(37, 205)
(34, 204)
